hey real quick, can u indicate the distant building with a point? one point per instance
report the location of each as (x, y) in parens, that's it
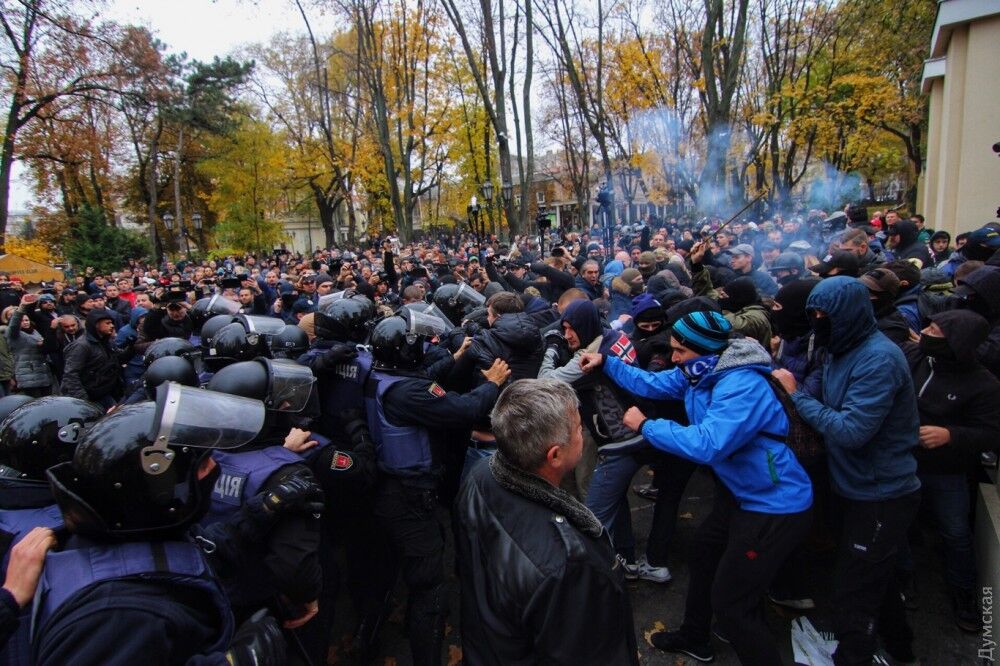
(959, 190)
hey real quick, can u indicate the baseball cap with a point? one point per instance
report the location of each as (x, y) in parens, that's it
(744, 248)
(844, 260)
(881, 280)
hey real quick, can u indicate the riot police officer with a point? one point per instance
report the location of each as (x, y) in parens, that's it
(282, 570)
(37, 435)
(128, 583)
(407, 411)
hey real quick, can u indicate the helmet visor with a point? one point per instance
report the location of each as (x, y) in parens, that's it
(261, 325)
(291, 385)
(421, 323)
(430, 309)
(222, 305)
(192, 417)
(469, 298)
(327, 300)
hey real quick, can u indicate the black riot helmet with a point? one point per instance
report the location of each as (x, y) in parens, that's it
(398, 341)
(345, 319)
(43, 433)
(211, 327)
(290, 342)
(283, 385)
(205, 308)
(138, 473)
(169, 369)
(457, 300)
(231, 344)
(168, 347)
(9, 403)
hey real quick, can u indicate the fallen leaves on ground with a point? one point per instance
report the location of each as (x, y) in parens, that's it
(657, 627)
(454, 655)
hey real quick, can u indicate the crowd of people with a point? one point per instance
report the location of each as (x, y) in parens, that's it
(196, 458)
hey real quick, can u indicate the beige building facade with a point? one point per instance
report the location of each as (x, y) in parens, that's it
(960, 190)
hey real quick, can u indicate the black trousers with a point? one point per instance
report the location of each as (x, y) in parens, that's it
(407, 514)
(734, 557)
(672, 476)
(865, 597)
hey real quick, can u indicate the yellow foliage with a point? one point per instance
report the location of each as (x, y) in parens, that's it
(30, 249)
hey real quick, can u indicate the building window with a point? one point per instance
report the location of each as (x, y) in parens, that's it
(540, 196)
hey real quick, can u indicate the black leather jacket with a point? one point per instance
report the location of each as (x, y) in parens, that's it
(540, 580)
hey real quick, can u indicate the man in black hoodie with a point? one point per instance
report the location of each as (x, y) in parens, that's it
(93, 369)
(902, 240)
(883, 288)
(959, 403)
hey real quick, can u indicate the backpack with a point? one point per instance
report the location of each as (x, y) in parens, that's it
(804, 441)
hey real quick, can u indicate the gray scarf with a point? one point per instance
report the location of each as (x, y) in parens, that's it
(540, 491)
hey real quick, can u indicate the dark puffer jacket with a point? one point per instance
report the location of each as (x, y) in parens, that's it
(93, 369)
(516, 339)
(540, 580)
(958, 394)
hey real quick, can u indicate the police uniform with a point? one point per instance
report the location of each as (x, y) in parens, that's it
(407, 412)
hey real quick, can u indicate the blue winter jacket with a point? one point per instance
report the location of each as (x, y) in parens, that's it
(127, 334)
(730, 410)
(868, 413)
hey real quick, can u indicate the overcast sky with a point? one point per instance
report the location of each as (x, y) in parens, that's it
(203, 29)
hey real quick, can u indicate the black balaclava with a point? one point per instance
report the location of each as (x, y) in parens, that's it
(791, 321)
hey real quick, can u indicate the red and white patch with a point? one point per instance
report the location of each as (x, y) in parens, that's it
(623, 349)
(341, 461)
(436, 390)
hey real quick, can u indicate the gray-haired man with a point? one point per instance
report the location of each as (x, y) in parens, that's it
(540, 580)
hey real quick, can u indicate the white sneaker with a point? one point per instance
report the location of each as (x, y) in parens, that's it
(647, 571)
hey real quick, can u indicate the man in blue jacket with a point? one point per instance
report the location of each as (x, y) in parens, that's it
(868, 417)
(763, 502)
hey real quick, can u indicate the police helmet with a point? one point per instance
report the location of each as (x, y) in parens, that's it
(206, 308)
(168, 347)
(169, 369)
(231, 344)
(457, 300)
(788, 261)
(43, 433)
(211, 327)
(9, 403)
(138, 473)
(290, 342)
(398, 341)
(281, 384)
(345, 319)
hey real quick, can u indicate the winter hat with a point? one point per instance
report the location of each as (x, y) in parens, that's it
(703, 332)
(685, 245)
(82, 298)
(744, 248)
(646, 308)
(584, 319)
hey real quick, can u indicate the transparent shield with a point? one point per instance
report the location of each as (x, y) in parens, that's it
(194, 417)
(291, 385)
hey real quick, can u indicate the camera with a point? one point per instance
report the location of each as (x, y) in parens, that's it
(231, 283)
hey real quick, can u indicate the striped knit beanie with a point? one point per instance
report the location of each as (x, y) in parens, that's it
(702, 332)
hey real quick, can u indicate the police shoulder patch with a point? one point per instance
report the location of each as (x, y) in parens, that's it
(341, 461)
(436, 390)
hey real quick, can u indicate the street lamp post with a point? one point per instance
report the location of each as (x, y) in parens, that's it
(487, 189)
(168, 222)
(630, 182)
(473, 212)
(196, 221)
(507, 194)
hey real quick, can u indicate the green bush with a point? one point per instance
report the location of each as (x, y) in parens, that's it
(95, 243)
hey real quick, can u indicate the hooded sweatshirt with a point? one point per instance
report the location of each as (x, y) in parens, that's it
(868, 412)
(955, 392)
(735, 418)
(909, 246)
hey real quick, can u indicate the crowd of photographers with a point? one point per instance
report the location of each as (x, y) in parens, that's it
(299, 422)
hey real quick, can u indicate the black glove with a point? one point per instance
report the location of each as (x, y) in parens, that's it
(257, 641)
(337, 354)
(556, 340)
(295, 492)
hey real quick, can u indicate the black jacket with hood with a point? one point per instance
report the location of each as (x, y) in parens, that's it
(516, 339)
(93, 367)
(955, 392)
(909, 246)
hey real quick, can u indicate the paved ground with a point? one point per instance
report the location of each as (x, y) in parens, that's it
(939, 641)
